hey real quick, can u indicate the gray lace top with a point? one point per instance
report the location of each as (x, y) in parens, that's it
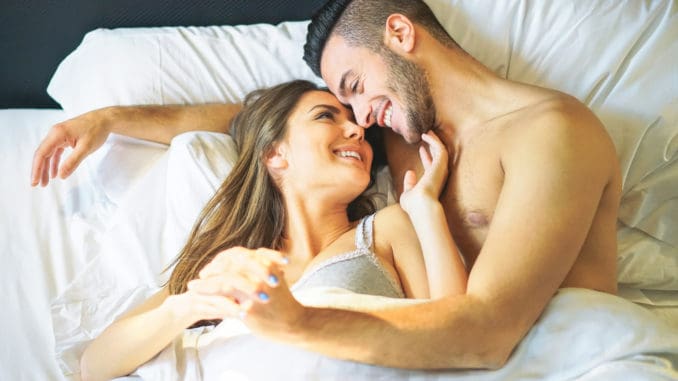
(359, 270)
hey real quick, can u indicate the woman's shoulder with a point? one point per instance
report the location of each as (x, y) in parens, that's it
(395, 237)
(392, 222)
(391, 211)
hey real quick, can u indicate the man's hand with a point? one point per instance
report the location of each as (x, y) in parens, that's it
(428, 188)
(85, 134)
(255, 280)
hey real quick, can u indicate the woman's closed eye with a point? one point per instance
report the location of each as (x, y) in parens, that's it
(325, 115)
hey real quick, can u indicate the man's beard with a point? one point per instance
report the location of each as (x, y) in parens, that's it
(409, 82)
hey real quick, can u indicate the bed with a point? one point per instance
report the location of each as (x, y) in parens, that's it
(81, 251)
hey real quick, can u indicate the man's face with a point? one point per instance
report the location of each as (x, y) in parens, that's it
(381, 88)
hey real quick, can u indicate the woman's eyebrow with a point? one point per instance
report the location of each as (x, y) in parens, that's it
(331, 108)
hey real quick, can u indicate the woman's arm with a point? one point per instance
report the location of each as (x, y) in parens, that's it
(142, 333)
(87, 132)
(445, 269)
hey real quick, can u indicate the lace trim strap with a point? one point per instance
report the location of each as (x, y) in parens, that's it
(364, 233)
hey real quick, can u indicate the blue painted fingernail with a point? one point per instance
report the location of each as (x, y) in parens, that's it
(273, 280)
(263, 296)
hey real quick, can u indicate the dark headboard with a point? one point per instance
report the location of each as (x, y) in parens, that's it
(35, 35)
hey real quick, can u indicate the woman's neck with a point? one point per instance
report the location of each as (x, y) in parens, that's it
(311, 226)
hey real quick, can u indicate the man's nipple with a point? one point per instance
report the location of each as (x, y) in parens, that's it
(477, 219)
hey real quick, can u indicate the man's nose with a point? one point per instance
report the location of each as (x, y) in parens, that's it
(363, 114)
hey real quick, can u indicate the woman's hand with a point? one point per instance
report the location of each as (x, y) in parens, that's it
(85, 134)
(434, 159)
(255, 281)
(190, 307)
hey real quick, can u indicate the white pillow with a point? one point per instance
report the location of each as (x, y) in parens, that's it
(178, 65)
(617, 57)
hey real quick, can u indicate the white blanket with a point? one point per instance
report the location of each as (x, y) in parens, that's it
(582, 335)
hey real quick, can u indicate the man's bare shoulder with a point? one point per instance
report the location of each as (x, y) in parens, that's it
(561, 133)
(554, 108)
(559, 122)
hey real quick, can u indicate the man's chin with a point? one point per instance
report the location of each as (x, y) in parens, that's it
(412, 138)
(410, 135)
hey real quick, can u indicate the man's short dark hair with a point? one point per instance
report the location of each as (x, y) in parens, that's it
(361, 23)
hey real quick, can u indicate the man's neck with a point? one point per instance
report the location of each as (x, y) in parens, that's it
(466, 93)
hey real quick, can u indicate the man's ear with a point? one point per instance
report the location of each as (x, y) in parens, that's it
(276, 157)
(399, 34)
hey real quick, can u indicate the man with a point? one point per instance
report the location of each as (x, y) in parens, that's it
(531, 199)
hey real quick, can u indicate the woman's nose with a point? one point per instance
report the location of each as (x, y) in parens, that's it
(354, 131)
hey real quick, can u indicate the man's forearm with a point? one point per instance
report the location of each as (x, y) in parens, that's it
(162, 123)
(455, 332)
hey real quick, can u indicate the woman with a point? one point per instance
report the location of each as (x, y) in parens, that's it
(291, 212)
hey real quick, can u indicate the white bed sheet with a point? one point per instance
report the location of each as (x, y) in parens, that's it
(46, 238)
(35, 248)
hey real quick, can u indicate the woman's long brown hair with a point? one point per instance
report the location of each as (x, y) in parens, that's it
(248, 208)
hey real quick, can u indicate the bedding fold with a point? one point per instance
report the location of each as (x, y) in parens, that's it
(582, 335)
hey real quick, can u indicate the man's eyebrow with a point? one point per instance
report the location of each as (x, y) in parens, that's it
(342, 82)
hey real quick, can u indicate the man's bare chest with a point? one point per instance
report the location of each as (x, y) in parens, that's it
(471, 195)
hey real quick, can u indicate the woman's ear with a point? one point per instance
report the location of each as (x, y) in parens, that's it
(399, 34)
(276, 157)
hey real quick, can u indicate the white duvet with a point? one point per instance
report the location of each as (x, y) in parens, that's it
(582, 335)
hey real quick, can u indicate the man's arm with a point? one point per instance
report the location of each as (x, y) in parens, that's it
(452, 332)
(555, 173)
(162, 123)
(87, 132)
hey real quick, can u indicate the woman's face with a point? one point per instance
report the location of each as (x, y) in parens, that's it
(325, 148)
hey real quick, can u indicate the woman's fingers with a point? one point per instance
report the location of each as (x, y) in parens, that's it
(228, 284)
(435, 146)
(222, 263)
(425, 156)
(430, 137)
(273, 255)
(192, 306)
(214, 306)
(409, 180)
(241, 283)
(259, 262)
(433, 156)
(246, 275)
